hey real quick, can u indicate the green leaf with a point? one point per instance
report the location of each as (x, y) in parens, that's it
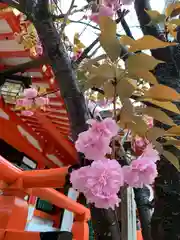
(146, 42)
(82, 80)
(107, 25)
(172, 159)
(162, 92)
(108, 90)
(141, 61)
(89, 63)
(158, 115)
(154, 133)
(96, 81)
(138, 125)
(164, 104)
(173, 142)
(125, 89)
(108, 39)
(155, 17)
(77, 42)
(126, 113)
(145, 75)
(175, 21)
(174, 131)
(104, 70)
(111, 46)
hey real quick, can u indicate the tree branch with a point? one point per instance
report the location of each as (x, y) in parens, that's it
(124, 24)
(86, 51)
(66, 16)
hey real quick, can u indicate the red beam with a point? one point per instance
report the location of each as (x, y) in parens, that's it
(3, 5)
(11, 54)
(61, 124)
(55, 118)
(63, 131)
(62, 127)
(7, 36)
(14, 121)
(59, 114)
(57, 107)
(67, 148)
(33, 123)
(12, 20)
(56, 99)
(12, 136)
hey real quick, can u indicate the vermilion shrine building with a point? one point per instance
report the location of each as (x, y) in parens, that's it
(32, 199)
(41, 141)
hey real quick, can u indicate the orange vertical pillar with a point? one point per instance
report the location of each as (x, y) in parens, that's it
(13, 212)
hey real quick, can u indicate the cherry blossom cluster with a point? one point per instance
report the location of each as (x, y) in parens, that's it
(30, 101)
(108, 8)
(101, 181)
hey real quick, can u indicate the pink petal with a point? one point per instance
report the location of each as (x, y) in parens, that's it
(103, 11)
(140, 173)
(99, 182)
(94, 17)
(150, 154)
(27, 113)
(41, 101)
(92, 145)
(24, 102)
(111, 126)
(30, 92)
(106, 11)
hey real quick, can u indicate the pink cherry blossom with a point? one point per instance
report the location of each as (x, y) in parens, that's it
(103, 11)
(41, 101)
(94, 17)
(103, 201)
(19, 102)
(115, 4)
(92, 145)
(106, 128)
(27, 113)
(112, 126)
(30, 93)
(140, 172)
(150, 153)
(99, 182)
(24, 102)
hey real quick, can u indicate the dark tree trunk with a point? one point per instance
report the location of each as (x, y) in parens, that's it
(167, 185)
(144, 210)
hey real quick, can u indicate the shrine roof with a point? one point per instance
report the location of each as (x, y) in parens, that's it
(44, 136)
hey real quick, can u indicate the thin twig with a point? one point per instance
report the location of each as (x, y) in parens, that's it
(114, 100)
(66, 17)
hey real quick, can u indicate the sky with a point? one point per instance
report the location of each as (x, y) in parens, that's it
(88, 34)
